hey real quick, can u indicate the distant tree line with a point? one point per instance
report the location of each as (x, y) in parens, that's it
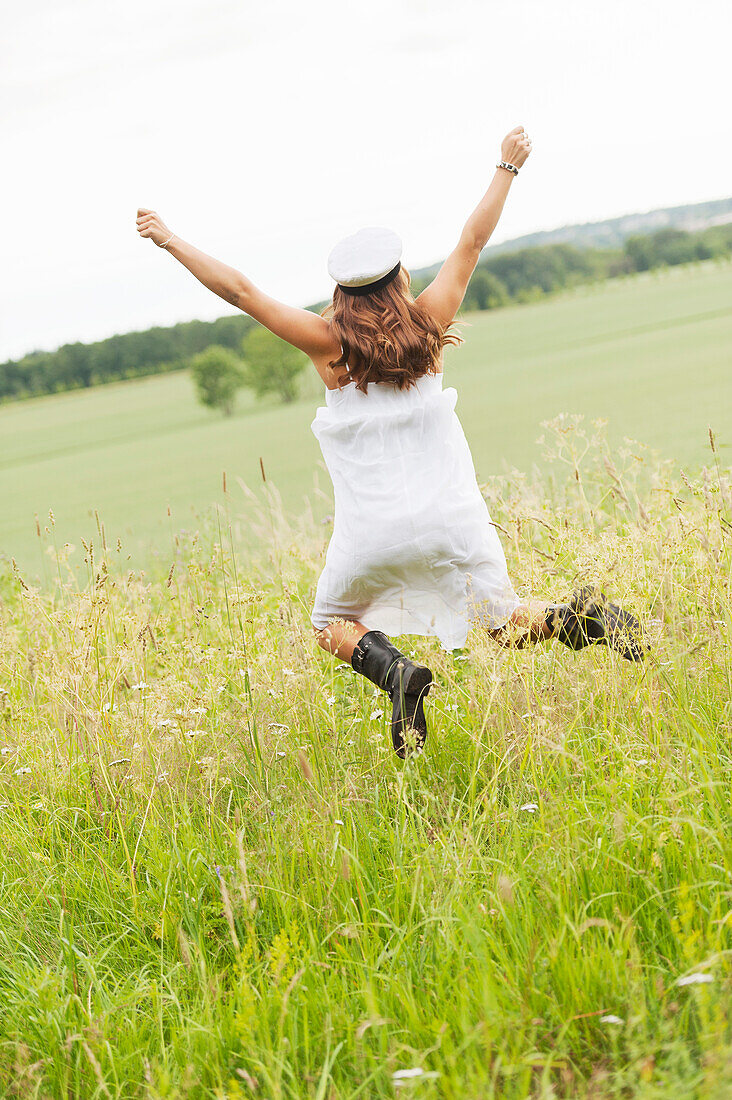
(133, 355)
(522, 275)
(531, 273)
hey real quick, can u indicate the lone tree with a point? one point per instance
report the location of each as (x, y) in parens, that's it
(271, 365)
(217, 374)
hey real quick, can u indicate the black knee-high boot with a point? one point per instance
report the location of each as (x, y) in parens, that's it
(588, 618)
(405, 683)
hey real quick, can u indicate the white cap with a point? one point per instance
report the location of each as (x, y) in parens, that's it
(365, 258)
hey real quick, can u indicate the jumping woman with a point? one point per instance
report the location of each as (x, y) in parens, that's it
(413, 549)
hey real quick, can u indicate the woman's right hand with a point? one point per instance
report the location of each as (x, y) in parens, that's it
(150, 224)
(516, 147)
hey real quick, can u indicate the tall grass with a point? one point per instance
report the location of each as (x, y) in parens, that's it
(218, 881)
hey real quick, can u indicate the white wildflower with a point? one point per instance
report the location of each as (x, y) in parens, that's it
(122, 760)
(695, 979)
(22, 771)
(5, 750)
(138, 687)
(611, 1020)
(164, 722)
(531, 807)
(288, 672)
(282, 754)
(330, 700)
(400, 1076)
(337, 821)
(377, 714)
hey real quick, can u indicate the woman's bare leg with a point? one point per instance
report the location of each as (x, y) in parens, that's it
(526, 625)
(405, 682)
(341, 637)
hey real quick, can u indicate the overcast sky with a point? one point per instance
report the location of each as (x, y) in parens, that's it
(264, 130)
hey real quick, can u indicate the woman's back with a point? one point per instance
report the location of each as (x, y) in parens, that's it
(410, 522)
(391, 447)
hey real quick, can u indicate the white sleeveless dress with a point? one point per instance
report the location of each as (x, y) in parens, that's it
(413, 549)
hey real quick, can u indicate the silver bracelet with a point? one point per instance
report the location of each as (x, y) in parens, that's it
(166, 243)
(508, 167)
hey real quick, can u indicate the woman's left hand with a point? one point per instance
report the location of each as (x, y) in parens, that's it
(150, 224)
(516, 146)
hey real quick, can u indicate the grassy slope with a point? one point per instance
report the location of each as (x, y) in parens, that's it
(651, 354)
(217, 882)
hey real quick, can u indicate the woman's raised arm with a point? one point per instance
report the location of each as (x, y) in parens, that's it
(305, 330)
(447, 290)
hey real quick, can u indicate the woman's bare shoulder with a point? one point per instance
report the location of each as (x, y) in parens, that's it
(333, 379)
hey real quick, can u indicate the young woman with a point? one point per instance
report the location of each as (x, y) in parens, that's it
(413, 549)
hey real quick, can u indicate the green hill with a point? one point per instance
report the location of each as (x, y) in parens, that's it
(612, 232)
(650, 353)
(526, 269)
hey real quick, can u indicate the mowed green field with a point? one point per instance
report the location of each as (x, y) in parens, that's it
(651, 354)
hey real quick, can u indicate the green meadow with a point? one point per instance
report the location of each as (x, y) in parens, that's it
(650, 354)
(218, 882)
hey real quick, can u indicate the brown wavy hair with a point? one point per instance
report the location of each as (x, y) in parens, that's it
(386, 336)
